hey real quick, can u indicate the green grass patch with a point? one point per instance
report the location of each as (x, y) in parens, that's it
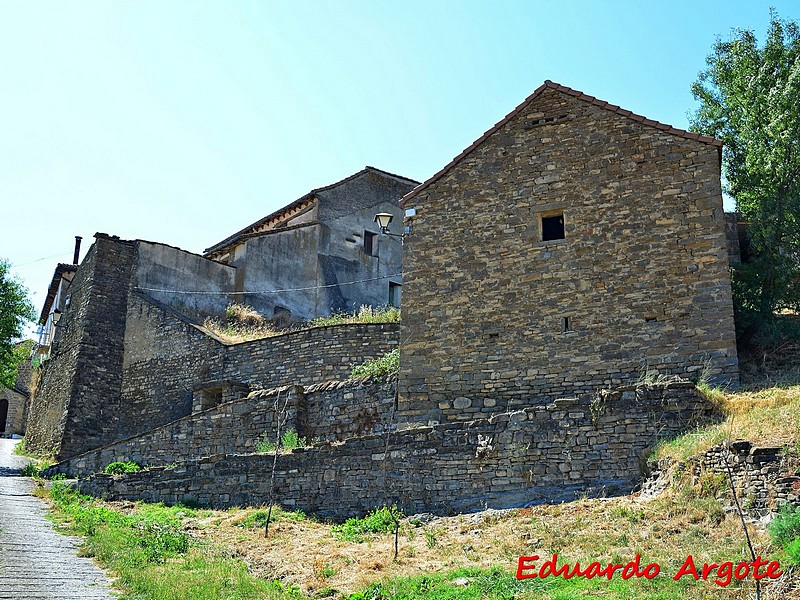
(785, 531)
(153, 557)
(770, 415)
(44, 459)
(380, 520)
(258, 518)
(497, 584)
(366, 314)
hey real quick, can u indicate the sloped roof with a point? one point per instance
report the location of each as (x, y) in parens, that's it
(571, 92)
(250, 229)
(61, 268)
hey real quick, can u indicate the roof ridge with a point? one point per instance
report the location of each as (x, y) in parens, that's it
(308, 196)
(571, 92)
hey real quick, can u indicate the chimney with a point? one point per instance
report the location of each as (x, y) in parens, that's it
(77, 249)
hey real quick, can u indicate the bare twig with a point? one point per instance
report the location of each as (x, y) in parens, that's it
(281, 420)
(728, 468)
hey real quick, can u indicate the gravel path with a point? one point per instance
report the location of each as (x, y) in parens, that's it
(35, 561)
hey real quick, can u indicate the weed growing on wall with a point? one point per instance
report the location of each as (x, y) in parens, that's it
(289, 441)
(386, 365)
(242, 323)
(120, 468)
(365, 314)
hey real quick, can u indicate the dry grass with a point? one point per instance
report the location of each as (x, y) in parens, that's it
(766, 410)
(243, 324)
(663, 530)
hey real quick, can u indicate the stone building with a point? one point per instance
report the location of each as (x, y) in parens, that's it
(14, 401)
(574, 246)
(130, 352)
(321, 254)
(54, 305)
(552, 271)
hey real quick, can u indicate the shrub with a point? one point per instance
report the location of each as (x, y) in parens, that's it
(380, 520)
(120, 468)
(386, 365)
(258, 518)
(785, 530)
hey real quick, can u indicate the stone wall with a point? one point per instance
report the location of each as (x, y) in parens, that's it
(76, 406)
(309, 356)
(127, 363)
(163, 272)
(540, 454)
(166, 357)
(12, 419)
(765, 478)
(325, 412)
(494, 318)
(15, 401)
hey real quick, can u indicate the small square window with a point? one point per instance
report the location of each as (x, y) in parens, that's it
(553, 227)
(370, 243)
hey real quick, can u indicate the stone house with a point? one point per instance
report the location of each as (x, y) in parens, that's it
(552, 272)
(54, 305)
(574, 246)
(130, 352)
(14, 401)
(321, 254)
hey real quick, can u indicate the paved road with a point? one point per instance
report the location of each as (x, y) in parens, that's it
(35, 561)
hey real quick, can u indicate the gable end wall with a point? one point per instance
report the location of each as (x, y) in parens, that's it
(642, 274)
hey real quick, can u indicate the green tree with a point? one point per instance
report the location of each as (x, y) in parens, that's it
(15, 311)
(750, 99)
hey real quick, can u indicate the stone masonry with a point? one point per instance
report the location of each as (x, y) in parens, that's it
(496, 319)
(566, 260)
(549, 453)
(326, 412)
(764, 477)
(126, 363)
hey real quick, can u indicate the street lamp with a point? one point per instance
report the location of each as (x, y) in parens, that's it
(56, 316)
(383, 220)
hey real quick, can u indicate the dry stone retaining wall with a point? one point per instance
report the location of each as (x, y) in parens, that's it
(548, 453)
(765, 477)
(127, 364)
(324, 412)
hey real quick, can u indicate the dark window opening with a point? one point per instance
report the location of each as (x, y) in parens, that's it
(282, 316)
(3, 414)
(370, 243)
(567, 324)
(210, 398)
(650, 319)
(553, 228)
(395, 292)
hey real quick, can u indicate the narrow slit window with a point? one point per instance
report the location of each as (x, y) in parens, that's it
(395, 293)
(370, 245)
(567, 324)
(553, 227)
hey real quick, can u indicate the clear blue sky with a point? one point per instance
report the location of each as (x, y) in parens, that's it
(183, 121)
